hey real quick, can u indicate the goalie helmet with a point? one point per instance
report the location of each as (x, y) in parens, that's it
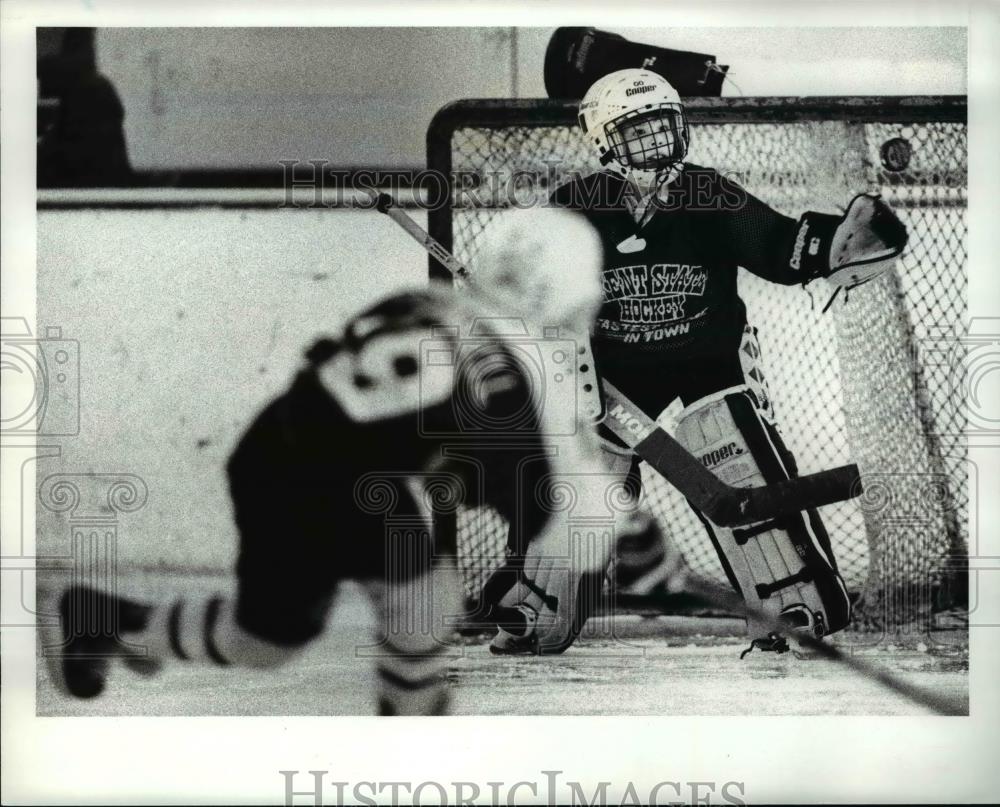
(543, 264)
(635, 121)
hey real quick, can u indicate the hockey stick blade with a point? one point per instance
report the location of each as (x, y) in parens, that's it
(725, 505)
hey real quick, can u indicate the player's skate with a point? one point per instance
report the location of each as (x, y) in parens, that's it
(92, 624)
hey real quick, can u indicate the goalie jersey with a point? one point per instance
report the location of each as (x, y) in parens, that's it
(670, 285)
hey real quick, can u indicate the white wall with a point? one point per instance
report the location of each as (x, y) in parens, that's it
(239, 97)
(188, 321)
(245, 97)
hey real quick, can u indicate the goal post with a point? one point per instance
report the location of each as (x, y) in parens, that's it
(869, 381)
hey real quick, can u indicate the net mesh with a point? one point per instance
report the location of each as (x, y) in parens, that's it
(859, 383)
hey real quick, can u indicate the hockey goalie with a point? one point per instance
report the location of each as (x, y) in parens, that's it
(423, 398)
(672, 325)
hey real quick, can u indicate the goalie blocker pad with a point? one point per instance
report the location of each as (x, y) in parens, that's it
(785, 566)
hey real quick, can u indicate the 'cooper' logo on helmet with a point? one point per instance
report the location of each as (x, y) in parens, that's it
(637, 90)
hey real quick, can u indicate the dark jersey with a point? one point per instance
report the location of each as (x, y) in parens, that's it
(320, 480)
(670, 285)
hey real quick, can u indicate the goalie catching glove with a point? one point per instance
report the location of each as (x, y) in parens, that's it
(851, 249)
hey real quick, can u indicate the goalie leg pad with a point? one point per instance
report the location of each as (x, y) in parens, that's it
(783, 567)
(561, 590)
(561, 575)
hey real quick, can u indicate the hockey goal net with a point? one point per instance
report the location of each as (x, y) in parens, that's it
(870, 381)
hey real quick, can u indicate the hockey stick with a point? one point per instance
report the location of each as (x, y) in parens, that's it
(723, 504)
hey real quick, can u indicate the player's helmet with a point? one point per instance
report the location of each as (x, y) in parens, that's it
(543, 264)
(619, 114)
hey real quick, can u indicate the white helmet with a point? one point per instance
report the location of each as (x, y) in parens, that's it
(620, 100)
(543, 264)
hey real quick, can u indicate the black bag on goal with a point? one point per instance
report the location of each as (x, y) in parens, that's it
(577, 57)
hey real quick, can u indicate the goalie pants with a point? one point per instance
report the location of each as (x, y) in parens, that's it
(653, 381)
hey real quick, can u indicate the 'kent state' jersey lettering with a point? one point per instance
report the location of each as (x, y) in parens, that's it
(621, 282)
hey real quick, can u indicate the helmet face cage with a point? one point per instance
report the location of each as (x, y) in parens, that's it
(674, 126)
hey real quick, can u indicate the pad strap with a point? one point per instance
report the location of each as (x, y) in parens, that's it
(741, 536)
(765, 590)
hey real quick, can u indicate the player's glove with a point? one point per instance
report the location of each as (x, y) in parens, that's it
(851, 249)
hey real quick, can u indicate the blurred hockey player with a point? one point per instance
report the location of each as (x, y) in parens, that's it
(428, 397)
(551, 583)
(672, 325)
